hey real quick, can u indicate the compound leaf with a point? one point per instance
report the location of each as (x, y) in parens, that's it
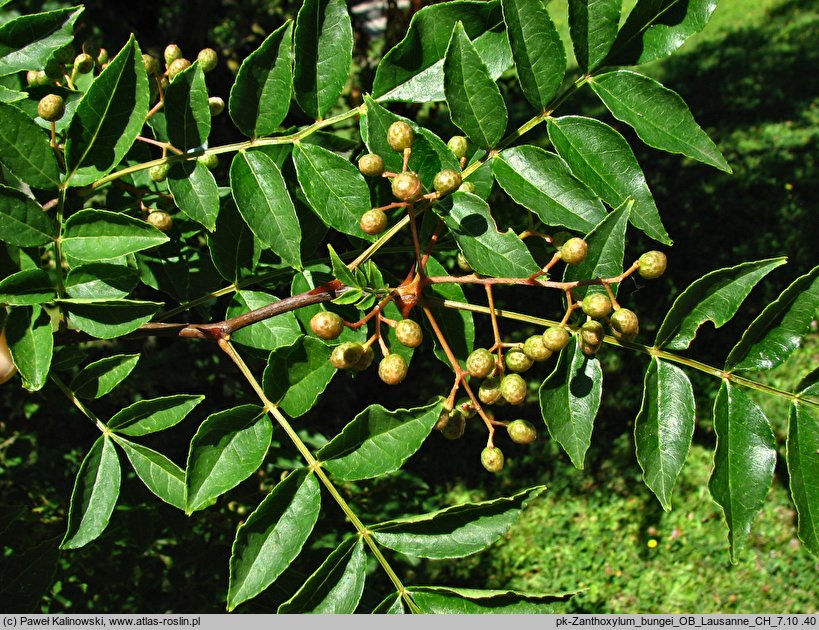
(186, 109)
(22, 221)
(297, 375)
(593, 26)
(100, 235)
(100, 377)
(233, 249)
(107, 319)
(28, 41)
(27, 287)
(803, 467)
(159, 474)
(195, 192)
(25, 149)
(448, 600)
(268, 334)
(154, 414)
(31, 343)
(101, 281)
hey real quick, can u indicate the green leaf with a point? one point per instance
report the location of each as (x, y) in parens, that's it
(602, 159)
(715, 297)
(100, 377)
(260, 97)
(658, 115)
(569, 400)
(448, 600)
(264, 203)
(27, 41)
(456, 531)
(101, 281)
(272, 536)
(803, 467)
(664, 427)
(323, 51)
(297, 375)
(95, 494)
(186, 109)
(107, 319)
(31, 342)
(335, 588)
(656, 28)
(152, 415)
(743, 461)
(378, 441)
(228, 447)
(541, 182)
(489, 251)
(22, 220)
(593, 27)
(25, 149)
(536, 48)
(341, 272)
(335, 189)
(195, 192)
(269, 334)
(392, 604)
(24, 288)
(100, 235)
(780, 328)
(233, 249)
(7, 95)
(413, 70)
(430, 154)
(108, 118)
(607, 244)
(474, 100)
(458, 326)
(159, 474)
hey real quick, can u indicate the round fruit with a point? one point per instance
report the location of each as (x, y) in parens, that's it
(463, 263)
(535, 349)
(443, 419)
(555, 338)
(7, 367)
(209, 160)
(51, 107)
(456, 426)
(207, 59)
(327, 325)
(467, 187)
(345, 355)
(409, 333)
(36, 77)
(592, 332)
(573, 251)
(489, 392)
(216, 104)
(513, 389)
(464, 405)
(492, 459)
(521, 432)
(374, 221)
(371, 165)
(178, 66)
(392, 369)
(406, 186)
(652, 265)
(517, 360)
(159, 173)
(160, 220)
(458, 145)
(596, 305)
(624, 324)
(84, 63)
(172, 53)
(365, 361)
(446, 181)
(400, 135)
(151, 64)
(480, 363)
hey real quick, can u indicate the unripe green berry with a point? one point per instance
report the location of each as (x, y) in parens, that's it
(374, 221)
(151, 64)
(596, 305)
(513, 389)
(455, 427)
(327, 325)
(36, 77)
(406, 186)
(178, 66)
(51, 107)
(172, 53)
(159, 173)
(468, 187)
(392, 369)
(517, 360)
(480, 363)
(160, 220)
(492, 459)
(365, 361)
(521, 432)
(209, 160)
(463, 263)
(207, 59)
(446, 181)
(624, 324)
(555, 338)
(400, 135)
(573, 251)
(591, 337)
(216, 104)
(345, 355)
(535, 349)
(458, 145)
(84, 63)
(652, 265)
(443, 419)
(489, 392)
(465, 407)
(409, 333)
(371, 165)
